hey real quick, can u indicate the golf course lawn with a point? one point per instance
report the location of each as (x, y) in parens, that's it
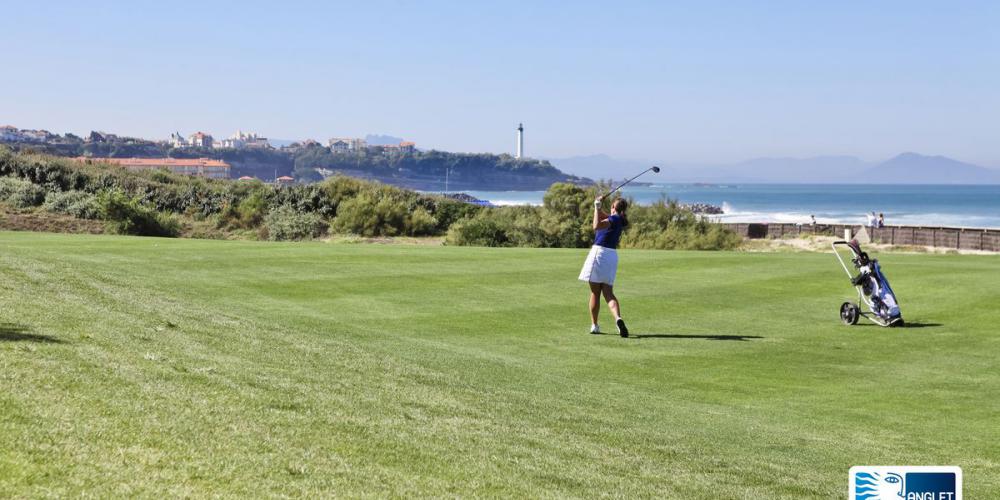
(162, 367)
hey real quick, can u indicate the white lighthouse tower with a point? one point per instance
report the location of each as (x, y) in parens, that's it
(520, 140)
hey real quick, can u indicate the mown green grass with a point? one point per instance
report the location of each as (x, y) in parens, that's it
(153, 367)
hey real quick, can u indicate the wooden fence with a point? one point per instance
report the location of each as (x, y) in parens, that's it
(945, 237)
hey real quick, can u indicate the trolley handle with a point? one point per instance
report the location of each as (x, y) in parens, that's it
(840, 258)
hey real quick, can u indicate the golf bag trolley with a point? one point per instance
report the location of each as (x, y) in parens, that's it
(873, 288)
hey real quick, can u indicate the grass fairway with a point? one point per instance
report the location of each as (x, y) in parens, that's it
(153, 367)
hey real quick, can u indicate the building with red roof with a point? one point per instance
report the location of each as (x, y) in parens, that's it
(201, 167)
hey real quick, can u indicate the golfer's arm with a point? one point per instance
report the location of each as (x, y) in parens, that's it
(600, 220)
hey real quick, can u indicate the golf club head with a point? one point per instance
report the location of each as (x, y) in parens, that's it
(656, 170)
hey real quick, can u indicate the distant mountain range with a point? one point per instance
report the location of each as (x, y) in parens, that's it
(906, 168)
(912, 168)
(382, 140)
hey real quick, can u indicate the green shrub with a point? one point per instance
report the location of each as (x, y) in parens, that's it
(339, 188)
(253, 208)
(565, 220)
(421, 222)
(569, 201)
(568, 214)
(521, 226)
(285, 223)
(665, 225)
(161, 175)
(480, 231)
(304, 198)
(380, 210)
(447, 211)
(247, 213)
(21, 193)
(127, 215)
(369, 214)
(76, 203)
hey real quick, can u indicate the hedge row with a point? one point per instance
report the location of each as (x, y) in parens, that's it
(157, 203)
(565, 218)
(354, 206)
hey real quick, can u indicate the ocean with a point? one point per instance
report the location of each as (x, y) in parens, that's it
(918, 205)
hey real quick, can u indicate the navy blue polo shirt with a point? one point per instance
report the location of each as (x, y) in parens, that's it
(609, 237)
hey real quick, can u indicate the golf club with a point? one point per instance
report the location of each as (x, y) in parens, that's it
(655, 170)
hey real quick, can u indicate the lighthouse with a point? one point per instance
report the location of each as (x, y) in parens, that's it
(520, 140)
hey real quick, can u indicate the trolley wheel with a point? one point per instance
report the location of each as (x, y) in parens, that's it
(849, 313)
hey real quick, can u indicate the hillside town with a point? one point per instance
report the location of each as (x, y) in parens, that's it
(250, 156)
(198, 142)
(239, 140)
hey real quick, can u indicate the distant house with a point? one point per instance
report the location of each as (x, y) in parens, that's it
(200, 140)
(241, 140)
(13, 134)
(284, 180)
(178, 141)
(201, 167)
(339, 146)
(38, 135)
(258, 142)
(346, 144)
(228, 143)
(9, 133)
(405, 147)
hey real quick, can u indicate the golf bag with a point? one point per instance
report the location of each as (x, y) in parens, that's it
(873, 289)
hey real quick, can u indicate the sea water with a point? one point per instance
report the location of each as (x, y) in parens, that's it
(926, 205)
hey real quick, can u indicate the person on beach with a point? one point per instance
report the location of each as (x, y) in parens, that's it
(813, 221)
(881, 220)
(602, 262)
(871, 219)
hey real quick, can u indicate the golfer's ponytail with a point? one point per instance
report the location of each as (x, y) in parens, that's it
(620, 206)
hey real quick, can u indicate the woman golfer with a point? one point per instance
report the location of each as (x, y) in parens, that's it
(602, 262)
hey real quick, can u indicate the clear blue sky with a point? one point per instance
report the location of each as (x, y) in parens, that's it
(697, 81)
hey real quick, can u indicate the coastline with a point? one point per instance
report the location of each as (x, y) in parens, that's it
(960, 206)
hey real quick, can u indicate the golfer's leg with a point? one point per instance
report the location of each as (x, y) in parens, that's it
(595, 302)
(609, 296)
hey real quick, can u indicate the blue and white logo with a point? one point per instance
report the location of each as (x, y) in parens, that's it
(906, 483)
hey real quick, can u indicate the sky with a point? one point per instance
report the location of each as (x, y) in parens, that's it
(696, 82)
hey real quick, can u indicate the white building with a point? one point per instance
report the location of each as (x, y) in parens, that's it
(200, 140)
(13, 134)
(178, 141)
(345, 144)
(9, 133)
(241, 140)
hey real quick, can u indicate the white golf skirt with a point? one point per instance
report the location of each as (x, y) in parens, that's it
(600, 266)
